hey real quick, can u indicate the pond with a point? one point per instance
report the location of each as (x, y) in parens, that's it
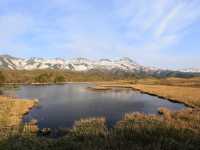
(61, 105)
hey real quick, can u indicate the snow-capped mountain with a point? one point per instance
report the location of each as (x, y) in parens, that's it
(190, 70)
(80, 64)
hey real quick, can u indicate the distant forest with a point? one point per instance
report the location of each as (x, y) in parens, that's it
(59, 76)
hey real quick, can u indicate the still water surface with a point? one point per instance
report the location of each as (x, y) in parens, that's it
(61, 105)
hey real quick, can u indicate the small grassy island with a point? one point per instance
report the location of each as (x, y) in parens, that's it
(171, 130)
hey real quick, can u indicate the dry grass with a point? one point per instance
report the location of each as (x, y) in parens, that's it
(172, 81)
(90, 127)
(178, 130)
(187, 119)
(11, 112)
(177, 89)
(187, 95)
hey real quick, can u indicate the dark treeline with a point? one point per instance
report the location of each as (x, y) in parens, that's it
(59, 76)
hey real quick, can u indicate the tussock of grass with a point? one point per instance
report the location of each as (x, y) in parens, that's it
(187, 119)
(90, 127)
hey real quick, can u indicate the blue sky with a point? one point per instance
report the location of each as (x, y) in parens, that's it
(162, 33)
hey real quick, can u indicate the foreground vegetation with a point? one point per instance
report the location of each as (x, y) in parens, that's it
(177, 130)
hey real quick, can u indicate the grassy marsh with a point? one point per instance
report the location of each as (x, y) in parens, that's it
(136, 131)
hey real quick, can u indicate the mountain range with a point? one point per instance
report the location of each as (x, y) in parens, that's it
(83, 64)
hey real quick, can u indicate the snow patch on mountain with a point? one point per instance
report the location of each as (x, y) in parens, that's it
(79, 64)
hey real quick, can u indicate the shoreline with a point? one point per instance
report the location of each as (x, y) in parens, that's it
(135, 88)
(165, 98)
(61, 83)
(108, 85)
(68, 82)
